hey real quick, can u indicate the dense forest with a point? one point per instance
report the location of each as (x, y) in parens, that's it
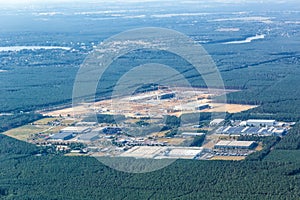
(266, 84)
(18, 119)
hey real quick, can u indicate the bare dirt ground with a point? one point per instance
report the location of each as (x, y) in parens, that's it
(210, 142)
(71, 112)
(159, 134)
(259, 147)
(231, 108)
(147, 104)
(228, 158)
(172, 141)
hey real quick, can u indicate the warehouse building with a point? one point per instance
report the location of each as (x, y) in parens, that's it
(248, 130)
(260, 122)
(159, 152)
(75, 129)
(191, 134)
(144, 151)
(202, 107)
(231, 130)
(62, 136)
(166, 96)
(224, 144)
(86, 123)
(112, 130)
(98, 130)
(216, 122)
(183, 153)
(89, 137)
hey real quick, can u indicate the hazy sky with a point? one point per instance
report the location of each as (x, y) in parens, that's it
(13, 4)
(124, 1)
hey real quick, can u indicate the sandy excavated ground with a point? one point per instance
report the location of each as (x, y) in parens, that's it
(146, 104)
(231, 108)
(228, 158)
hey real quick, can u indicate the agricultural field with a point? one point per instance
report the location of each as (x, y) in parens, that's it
(24, 132)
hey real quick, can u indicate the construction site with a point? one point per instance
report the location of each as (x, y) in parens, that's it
(155, 104)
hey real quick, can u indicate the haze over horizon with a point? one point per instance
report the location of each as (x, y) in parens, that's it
(141, 1)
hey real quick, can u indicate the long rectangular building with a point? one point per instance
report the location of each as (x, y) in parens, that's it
(75, 129)
(191, 134)
(158, 152)
(260, 122)
(225, 144)
(62, 136)
(250, 130)
(89, 136)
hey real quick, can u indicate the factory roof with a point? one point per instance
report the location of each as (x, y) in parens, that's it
(143, 151)
(216, 121)
(61, 136)
(235, 143)
(158, 152)
(74, 129)
(98, 129)
(88, 136)
(241, 143)
(260, 121)
(185, 152)
(192, 134)
(223, 143)
(86, 123)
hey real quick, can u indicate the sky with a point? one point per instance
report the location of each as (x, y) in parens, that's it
(129, 1)
(24, 4)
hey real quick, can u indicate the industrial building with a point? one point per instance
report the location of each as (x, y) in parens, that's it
(191, 134)
(92, 136)
(249, 130)
(159, 152)
(86, 123)
(202, 107)
(143, 151)
(216, 122)
(166, 96)
(98, 130)
(224, 144)
(183, 152)
(260, 122)
(75, 129)
(62, 136)
(112, 130)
